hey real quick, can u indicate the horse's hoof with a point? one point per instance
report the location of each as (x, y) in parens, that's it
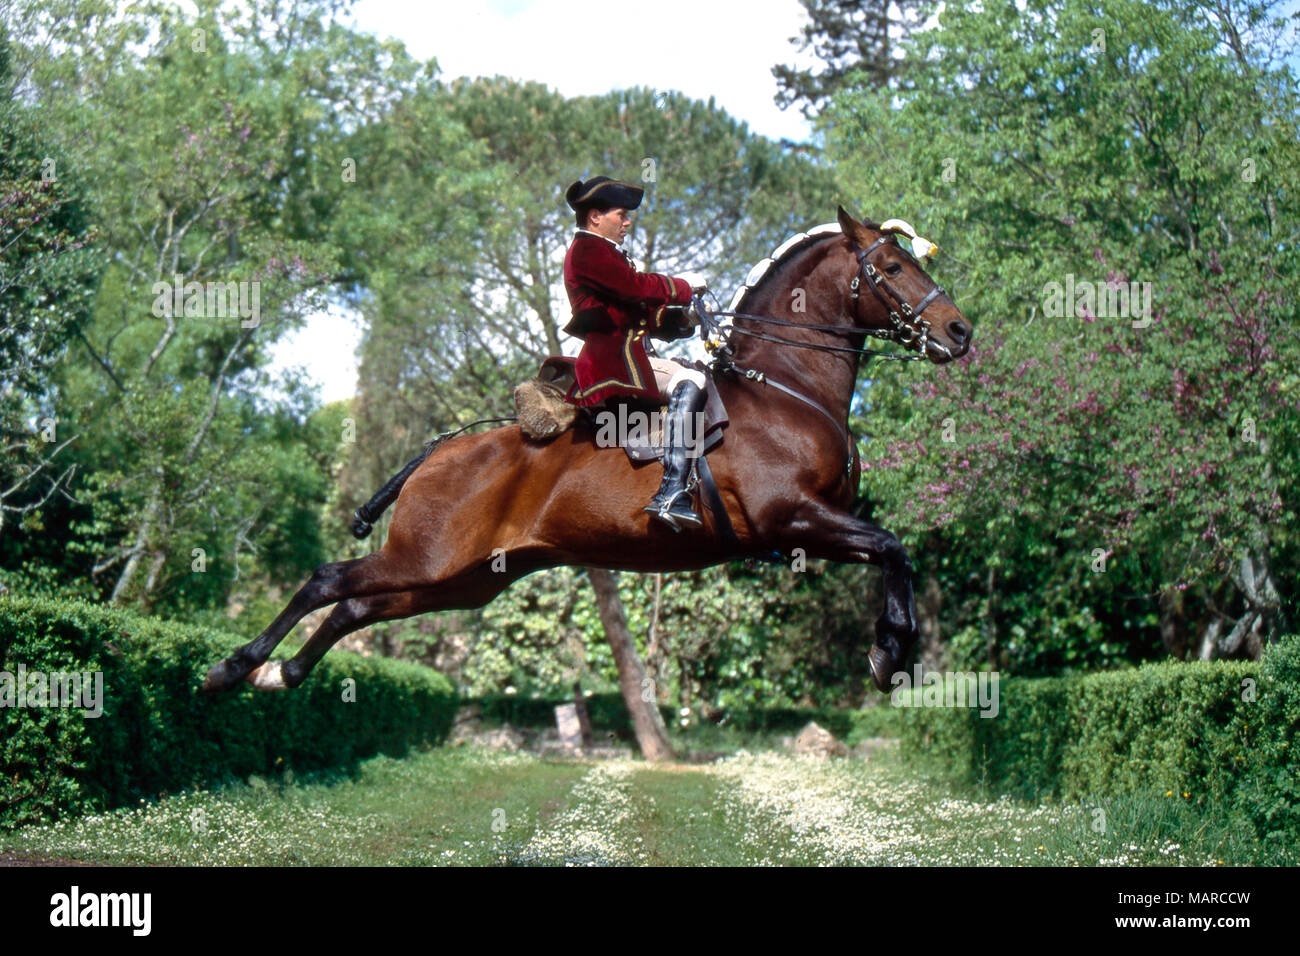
(219, 678)
(268, 677)
(883, 668)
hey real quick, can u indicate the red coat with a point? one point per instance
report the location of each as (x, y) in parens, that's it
(614, 308)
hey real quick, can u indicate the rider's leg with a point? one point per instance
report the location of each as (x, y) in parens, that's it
(684, 390)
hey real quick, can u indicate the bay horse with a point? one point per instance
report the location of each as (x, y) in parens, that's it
(486, 509)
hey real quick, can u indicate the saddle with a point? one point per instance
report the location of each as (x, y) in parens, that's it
(544, 412)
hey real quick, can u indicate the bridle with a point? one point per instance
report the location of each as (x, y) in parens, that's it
(906, 325)
(907, 328)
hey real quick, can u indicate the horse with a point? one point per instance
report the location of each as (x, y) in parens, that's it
(486, 509)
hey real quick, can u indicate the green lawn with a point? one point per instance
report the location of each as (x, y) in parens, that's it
(465, 806)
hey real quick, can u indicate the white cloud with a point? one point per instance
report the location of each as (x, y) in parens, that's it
(725, 50)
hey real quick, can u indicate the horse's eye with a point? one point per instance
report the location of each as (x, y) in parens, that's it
(893, 269)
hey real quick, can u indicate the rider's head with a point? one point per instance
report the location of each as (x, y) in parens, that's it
(601, 205)
(611, 223)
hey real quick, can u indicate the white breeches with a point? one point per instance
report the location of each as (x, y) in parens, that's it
(669, 374)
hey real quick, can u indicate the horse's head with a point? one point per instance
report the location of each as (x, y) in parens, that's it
(892, 293)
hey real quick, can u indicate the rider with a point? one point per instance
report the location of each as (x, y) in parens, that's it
(614, 308)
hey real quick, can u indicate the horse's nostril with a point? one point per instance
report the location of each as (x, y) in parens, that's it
(958, 331)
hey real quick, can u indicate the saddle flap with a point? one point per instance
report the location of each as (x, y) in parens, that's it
(715, 419)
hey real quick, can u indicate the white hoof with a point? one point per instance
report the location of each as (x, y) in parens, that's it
(268, 677)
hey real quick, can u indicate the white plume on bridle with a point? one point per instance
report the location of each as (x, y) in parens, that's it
(922, 248)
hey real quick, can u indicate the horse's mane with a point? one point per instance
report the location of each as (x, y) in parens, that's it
(792, 246)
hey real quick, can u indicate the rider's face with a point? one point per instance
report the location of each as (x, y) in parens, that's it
(610, 223)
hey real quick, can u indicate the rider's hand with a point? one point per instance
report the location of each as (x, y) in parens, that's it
(696, 281)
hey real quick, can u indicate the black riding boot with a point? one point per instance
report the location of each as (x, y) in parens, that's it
(671, 504)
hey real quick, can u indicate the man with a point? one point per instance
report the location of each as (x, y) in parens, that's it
(614, 309)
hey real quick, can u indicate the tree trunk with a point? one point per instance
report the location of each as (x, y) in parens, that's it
(928, 607)
(1210, 639)
(1171, 616)
(584, 719)
(1256, 576)
(989, 624)
(647, 722)
(128, 572)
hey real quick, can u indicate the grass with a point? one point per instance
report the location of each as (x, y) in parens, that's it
(441, 806)
(466, 806)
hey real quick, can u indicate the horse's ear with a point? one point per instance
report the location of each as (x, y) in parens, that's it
(850, 226)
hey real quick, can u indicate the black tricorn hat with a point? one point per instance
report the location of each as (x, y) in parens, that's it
(601, 192)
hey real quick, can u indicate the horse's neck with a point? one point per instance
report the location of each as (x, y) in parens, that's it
(808, 279)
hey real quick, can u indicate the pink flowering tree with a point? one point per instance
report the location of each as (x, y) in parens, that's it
(1108, 474)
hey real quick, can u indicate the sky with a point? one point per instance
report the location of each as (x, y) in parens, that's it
(721, 49)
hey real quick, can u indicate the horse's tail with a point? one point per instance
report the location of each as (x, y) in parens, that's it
(363, 519)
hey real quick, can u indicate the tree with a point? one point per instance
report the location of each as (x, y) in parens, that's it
(1101, 482)
(212, 145)
(48, 271)
(849, 37)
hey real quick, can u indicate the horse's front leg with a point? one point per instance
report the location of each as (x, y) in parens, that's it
(826, 532)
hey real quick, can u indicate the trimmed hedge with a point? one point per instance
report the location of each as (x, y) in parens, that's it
(160, 733)
(1169, 727)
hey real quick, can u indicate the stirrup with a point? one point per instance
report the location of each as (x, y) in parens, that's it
(684, 511)
(666, 518)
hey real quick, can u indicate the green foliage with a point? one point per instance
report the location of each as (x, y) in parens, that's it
(1037, 151)
(212, 149)
(855, 39)
(158, 732)
(1270, 794)
(49, 266)
(1221, 735)
(732, 638)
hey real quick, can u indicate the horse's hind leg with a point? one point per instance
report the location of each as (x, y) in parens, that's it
(328, 584)
(356, 613)
(348, 616)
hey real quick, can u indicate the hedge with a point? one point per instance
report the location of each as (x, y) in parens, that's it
(1223, 732)
(159, 733)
